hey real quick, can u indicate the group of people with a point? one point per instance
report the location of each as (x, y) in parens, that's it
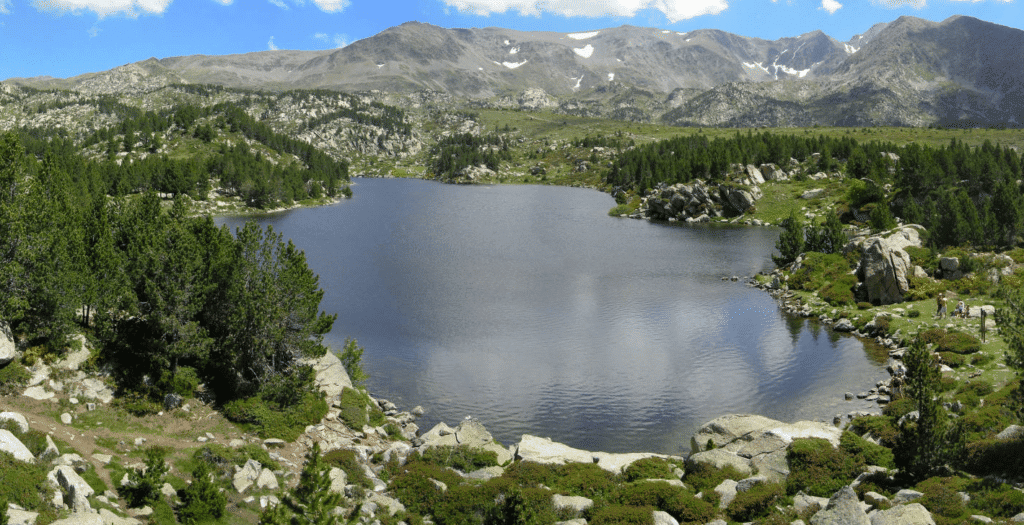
(960, 311)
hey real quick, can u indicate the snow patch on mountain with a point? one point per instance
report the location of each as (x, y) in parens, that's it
(850, 49)
(584, 52)
(512, 65)
(582, 36)
(611, 77)
(513, 51)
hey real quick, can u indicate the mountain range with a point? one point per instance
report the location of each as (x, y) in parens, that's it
(961, 71)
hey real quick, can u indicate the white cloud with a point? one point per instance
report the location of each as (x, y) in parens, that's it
(224, 2)
(896, 4)
(831, 6)
(5, 7)
(104, 8)
(270, 44)
(332, 6)
(279, 3)
(674, 10)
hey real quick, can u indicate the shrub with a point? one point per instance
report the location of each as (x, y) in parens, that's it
(143, 487)
(881, 427)
(622, 515)
(270, 419)
(201, 501)
(940, 497)
(470, 503)
(913, 314)
(995, 457)
(952, 360)
(899, 408)
(650, 468)
(677, 501)
(13, 378)
(518, 506)
(819, 469)
(704, 478)
(959, 343)
(184, 382)
(584, 479)
(828, 274)
(346, 460)
(868, 452)
(23, 483)
(137, 404)
(466, 459)
(998, 499)
(530, 474)
(415, 486)
(864, 305)
(354, 408)
(756, 502)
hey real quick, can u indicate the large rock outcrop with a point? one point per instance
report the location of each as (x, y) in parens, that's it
(12, 445)
(548, 452)
(331, 377)
(470, 433)
(752, 442)
(885, 265)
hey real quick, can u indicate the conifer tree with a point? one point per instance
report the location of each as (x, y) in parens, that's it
(312, 502)
(930, 443)
(791, 240)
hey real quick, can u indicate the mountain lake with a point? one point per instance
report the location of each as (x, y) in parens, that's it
(533, 311)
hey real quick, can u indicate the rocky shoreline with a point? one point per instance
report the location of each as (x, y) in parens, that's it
(752, 445)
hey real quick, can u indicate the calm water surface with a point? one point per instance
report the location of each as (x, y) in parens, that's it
(530, 309)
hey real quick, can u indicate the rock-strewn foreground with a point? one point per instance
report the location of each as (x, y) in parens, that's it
(753, 445)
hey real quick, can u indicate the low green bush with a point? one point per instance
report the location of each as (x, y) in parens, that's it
(755, 503)
(517, 506)
(650, 468)
(415, 486)
(881, 427)
(269, 419)
(959, 343)
(466, 459)
(952, 360)
(622, 515)
(899, 407)
(941, 498)
(137, 404)
(677, 501)
(357, 410)
(913, 314)
(584, 479)
(704, 478)
(530, 474)
(470, 503)
(23, 483)
(819, 469)
(346, 460)
(996, 500)
(863, 305)
(13, 378)
(821, 271)
(866, 451)
(997, 457)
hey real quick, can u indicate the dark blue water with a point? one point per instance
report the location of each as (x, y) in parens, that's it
(530, 309)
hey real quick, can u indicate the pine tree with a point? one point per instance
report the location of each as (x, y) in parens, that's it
(202, 500)
(927, 445)
(791, 240)
(312, 502)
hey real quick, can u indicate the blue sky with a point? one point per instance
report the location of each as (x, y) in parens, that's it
(64, 38)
